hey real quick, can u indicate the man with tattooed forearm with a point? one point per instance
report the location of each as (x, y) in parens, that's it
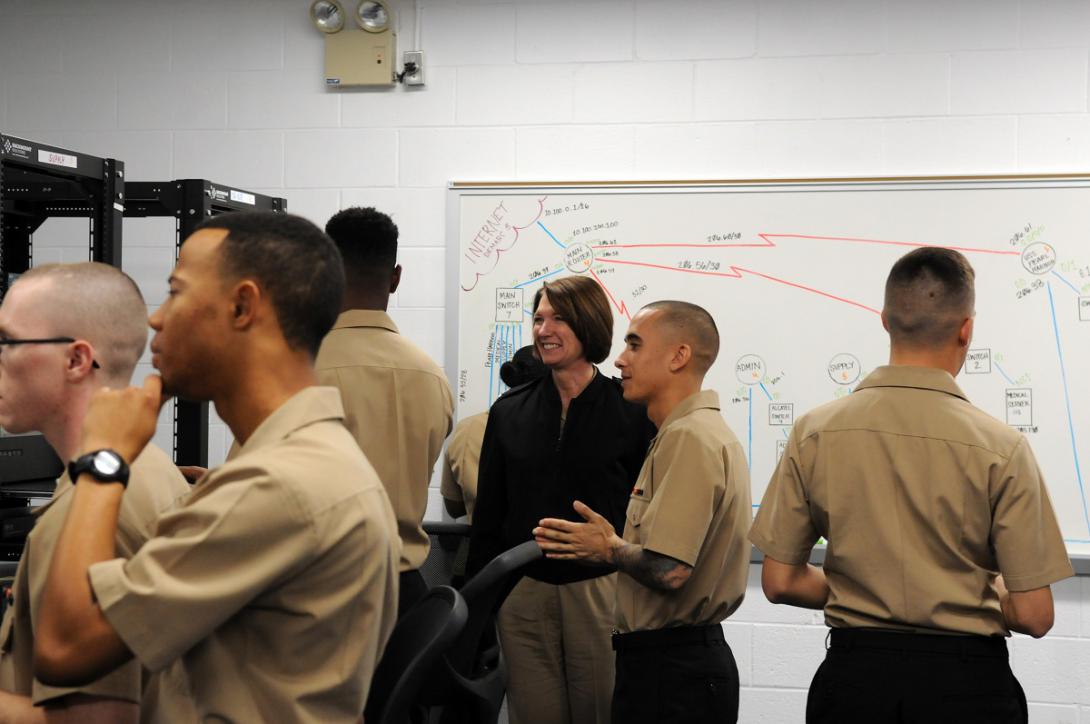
(683, 555)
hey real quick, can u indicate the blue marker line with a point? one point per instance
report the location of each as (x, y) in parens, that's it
(551, 235)
(1067, 401)
(520, 336)
(492, 364)
(1073, 287)
(1005, 375)
(537, 279)
(528, 312)
(750, 454)
(765, 390)
(785, 432)
(500, 386)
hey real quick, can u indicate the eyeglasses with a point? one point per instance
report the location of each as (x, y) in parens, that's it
(8, 342)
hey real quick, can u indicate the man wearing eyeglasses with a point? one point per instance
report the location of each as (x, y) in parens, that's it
(65, 331)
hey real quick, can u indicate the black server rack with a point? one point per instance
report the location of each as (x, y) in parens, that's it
(191, 201)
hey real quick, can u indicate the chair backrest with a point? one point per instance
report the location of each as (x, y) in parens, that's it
(445, 564)
(484, 594)
(417, 644)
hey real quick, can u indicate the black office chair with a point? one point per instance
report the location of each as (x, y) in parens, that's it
(471, 680)
(419, 640)
(446, 561)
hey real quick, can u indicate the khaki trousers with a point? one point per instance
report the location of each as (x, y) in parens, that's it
(556, 640)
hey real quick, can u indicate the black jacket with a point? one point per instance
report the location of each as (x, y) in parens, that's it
(530, 469)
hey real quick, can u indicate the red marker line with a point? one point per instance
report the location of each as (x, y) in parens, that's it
(736, 273)
(682, 246)
(621, 309)
(808, 289)
(768, 237)
(733, 275)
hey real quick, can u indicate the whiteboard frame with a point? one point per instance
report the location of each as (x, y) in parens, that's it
(458, 189)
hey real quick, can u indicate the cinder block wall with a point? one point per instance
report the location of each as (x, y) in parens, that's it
(232, 90)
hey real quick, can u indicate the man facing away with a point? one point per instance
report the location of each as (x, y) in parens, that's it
(65, 331)
(684, 556)
(274, 584)
(941, 535)
(397, 402)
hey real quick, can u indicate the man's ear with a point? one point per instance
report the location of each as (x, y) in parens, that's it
(81, 360)
(885, 321)
(965, 332)
(247, 299)
(395, 278)
(683, 354)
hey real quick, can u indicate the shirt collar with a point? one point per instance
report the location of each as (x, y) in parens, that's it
(921, 378)
(705, 399)
(309, 405)
(365, 318)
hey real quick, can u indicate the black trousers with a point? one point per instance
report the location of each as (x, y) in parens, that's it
(881, 676)
(411, 588)
(683, 675)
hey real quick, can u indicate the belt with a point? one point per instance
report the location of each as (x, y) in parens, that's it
(710, 635)
(847, 639)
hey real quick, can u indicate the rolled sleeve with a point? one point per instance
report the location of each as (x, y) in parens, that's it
(784, 529)
(122, 683)
(448, 486)
(209, 560)
(1029, 547)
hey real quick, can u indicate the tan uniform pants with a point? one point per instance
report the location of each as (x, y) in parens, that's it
(556, 640)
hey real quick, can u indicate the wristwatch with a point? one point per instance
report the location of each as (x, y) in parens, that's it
(105, 466)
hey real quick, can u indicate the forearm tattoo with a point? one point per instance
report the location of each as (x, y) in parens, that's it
(651, 569)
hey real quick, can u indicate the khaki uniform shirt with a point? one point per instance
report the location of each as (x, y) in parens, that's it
(692, 503)
(275, 583)
(155, 486)
(461, 461)
(923, 499)
(399, 408)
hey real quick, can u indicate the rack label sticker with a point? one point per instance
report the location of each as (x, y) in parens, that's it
(57, 159)
(243, 198)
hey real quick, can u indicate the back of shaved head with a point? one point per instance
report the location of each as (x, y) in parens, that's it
(930, 292)
(98, 303)
(692, 325)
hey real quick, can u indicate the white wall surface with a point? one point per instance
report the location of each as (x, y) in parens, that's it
(233, 90)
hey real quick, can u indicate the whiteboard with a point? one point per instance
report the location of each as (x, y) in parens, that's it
(794, 274)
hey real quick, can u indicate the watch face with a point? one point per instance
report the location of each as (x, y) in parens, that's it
(106, 462)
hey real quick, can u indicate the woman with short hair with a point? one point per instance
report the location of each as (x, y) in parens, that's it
(568, 436)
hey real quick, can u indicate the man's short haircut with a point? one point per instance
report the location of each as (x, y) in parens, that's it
(367, 240)
(693, 325)
(293, 262)
(101, 304)
(585, 308)
(929, 294)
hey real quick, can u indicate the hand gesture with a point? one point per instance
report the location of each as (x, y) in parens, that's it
(123, 420)
(589, 542)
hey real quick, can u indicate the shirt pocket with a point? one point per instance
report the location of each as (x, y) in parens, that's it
(636, 509)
